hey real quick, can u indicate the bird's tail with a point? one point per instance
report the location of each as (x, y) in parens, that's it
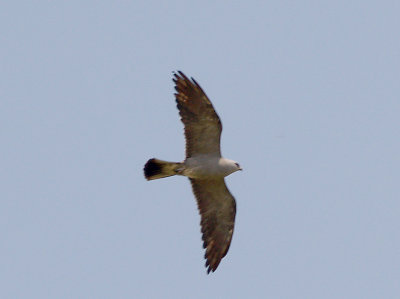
(157, 169)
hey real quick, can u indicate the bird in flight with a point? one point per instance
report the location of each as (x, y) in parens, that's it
(205, 168)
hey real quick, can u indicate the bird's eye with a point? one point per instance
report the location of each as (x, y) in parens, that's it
(237, 164)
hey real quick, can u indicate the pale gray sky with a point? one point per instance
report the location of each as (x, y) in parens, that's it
(309, 96)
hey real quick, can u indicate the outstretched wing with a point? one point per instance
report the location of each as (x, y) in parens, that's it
(217, 208)
(202, 124)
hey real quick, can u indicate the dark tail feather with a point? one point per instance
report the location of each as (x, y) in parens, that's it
(157, 169)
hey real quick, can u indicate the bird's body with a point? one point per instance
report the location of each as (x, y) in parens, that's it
(204, 166)
(207, 167)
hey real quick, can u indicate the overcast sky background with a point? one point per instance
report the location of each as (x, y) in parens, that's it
(309, 96)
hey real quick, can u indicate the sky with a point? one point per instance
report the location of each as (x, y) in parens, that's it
(309, 96)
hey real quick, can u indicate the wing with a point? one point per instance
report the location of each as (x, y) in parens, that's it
(217, 208)
(202, 125)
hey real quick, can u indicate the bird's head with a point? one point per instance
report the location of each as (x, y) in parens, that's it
(229, 166)
(238, 166)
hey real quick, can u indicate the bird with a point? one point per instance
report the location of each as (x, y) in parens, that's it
(204, 166)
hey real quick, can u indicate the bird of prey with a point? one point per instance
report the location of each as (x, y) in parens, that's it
(205, 168)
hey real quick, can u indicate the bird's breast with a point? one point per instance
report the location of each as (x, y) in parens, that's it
(203, 167)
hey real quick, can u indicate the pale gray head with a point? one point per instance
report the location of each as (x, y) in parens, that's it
(229, 166)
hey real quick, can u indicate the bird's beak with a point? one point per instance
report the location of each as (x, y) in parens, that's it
(240, 169)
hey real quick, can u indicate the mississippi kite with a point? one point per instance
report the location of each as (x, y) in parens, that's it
(205, 168)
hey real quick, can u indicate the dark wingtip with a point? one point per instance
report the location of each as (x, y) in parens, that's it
(177, 75)
(151, 168)
(210, 269)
